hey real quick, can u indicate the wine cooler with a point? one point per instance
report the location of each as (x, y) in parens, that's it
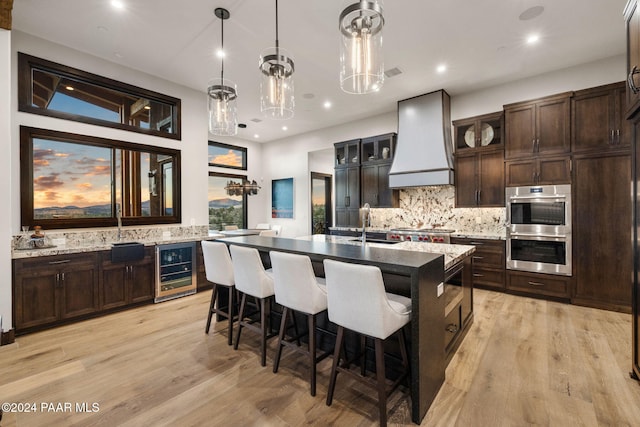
(175, 270)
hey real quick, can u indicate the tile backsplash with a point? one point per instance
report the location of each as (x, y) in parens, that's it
(434, 206)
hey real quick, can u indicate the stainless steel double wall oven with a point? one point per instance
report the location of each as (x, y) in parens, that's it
(539, 229)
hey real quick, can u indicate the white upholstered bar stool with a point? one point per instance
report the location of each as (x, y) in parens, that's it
(253, 280)
(271, 233)
(298, 289)
(219, 271)
(277, 228)
(357, 301)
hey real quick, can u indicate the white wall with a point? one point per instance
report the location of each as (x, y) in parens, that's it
(5, 177)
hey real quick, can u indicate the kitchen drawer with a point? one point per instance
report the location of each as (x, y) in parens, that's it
(488, 278)
(541, 284)
(452, 326)
(484, 258)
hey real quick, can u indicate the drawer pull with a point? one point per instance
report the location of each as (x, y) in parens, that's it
(478, 257)
(64, 261)
(452, 327)
(478, 275)
(477, 243)
(536, 284)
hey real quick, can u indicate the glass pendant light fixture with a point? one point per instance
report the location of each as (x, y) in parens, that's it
(361, 61)
(223, 93)
(276, 86)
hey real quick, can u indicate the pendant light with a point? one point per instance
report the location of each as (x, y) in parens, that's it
(223, 119)
(276, 85)
(361, 61)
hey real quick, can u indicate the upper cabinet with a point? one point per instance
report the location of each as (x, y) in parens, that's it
(378, 148)
(377, 155)
(632, 16)
(597, 119)
(538, 127)
(478, 132)
(347, 153)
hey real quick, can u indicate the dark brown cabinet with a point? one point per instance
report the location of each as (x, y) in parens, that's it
(377, 155)
(597, 119)
(601, 229)
(632, 18)
(347, 181)
(488, 269)
(538, 127)
(479, 178)
(483, 131)
(539, 284)
(54, 288)
(126, 283)
(538, 171)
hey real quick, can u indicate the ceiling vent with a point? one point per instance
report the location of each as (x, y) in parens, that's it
(392, 72)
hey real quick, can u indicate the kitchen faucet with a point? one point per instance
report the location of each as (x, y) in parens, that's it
(119, 218)
(366, 218)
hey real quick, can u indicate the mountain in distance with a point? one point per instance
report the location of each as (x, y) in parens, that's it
(224, 203)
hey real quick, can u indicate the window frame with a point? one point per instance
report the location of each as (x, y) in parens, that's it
(28, 63)
(243, 150)
(27, 134)
(245, 198)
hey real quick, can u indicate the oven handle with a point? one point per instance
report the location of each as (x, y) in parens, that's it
(552, 197)
(546, 236)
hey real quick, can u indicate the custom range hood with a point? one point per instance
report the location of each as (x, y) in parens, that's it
(424, 151)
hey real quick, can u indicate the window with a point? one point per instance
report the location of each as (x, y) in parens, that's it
(56, 90)
(70, 180)
(227, 156)
(224, 209)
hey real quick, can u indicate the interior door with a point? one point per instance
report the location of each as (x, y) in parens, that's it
(320, 203)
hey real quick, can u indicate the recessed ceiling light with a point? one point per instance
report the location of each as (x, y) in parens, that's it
(284, 128)
(327, 104)
(147, 107)
(441, 68)
(532, 12)
(255, 135)
(220, 53)
(117, 4)
(533, 39)
(69, 87)
(118, 55)
(375, 87)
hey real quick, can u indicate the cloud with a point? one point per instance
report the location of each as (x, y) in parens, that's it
(51, 195)
(47, 182)
(41, 157)
(99, 170)
(84, 186)
(231, 159)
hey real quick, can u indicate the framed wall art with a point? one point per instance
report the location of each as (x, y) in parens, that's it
(282, 198)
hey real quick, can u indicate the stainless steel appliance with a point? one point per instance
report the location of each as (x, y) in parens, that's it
(539, 229)
(175, 270)
(428, 235)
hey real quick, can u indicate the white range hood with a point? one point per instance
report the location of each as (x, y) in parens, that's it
(424, 151)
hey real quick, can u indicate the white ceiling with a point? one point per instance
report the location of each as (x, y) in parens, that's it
(481, 42)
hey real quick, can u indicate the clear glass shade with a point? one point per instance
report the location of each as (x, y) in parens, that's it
(222, 106)
(276, 85)
(361, 59)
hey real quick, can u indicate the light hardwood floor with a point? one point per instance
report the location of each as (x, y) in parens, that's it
(524, 362)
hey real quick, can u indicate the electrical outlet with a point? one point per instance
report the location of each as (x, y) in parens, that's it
(440, 289)
(478, 220)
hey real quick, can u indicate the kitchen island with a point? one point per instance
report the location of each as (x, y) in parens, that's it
(415, 273)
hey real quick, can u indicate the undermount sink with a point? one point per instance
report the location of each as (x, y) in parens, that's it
(127, 251)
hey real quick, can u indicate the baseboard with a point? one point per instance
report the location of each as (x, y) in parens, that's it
(8, 337)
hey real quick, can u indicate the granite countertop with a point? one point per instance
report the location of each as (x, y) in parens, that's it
(452, 253)
(92, 246)
(458, 233)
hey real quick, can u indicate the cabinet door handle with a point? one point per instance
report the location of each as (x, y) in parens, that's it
(533, 145)
(479, 196)
(617, 136)
(346, 201)
(64, 261)
(533, 177)
(630, 82)
(536, 284)
(453, 328)
(57, 280)
(612, 140)
(62, 276)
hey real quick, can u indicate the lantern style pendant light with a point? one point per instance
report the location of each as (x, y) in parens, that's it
(276, 85)
(223, 93)
(361, 61)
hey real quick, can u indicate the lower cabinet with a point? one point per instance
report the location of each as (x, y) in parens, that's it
(539, 284)
(124, 283)
(458, 294)
(54, 288)
(488, 262)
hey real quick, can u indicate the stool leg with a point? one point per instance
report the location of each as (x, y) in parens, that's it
(403, 350)
(214, 293)
(240, 319)
(334, 366)
(312, 352)
(263, 328)
(363, 355)
(230, 313)
(382, 392)
(283, 327)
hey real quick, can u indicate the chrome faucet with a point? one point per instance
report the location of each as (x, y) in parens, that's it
(119, 218)
(366, 218)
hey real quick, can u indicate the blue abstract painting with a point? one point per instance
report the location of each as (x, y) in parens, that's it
(282, 198)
